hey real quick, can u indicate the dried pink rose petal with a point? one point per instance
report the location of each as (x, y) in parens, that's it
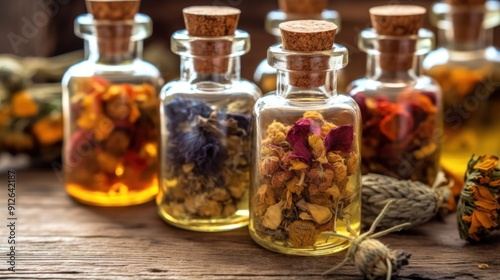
(340, 138)
(297, 138)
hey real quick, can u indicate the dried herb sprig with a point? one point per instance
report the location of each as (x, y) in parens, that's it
(413, 201)
(479, 204)
(371, 256)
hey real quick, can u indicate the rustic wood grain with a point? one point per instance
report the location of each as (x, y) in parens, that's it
(61, 239)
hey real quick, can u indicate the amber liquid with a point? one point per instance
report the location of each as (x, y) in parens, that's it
(324, 245)
(471, 114)
(111, 149)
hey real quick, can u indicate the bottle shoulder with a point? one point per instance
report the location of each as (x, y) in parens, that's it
(88, 68)
(183, 87)
(272, 101)
(374, 87)
(443, 57)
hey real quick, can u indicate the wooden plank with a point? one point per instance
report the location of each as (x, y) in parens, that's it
(61, 239)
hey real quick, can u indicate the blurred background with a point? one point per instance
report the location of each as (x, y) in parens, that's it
(38, 44)
(54, 33)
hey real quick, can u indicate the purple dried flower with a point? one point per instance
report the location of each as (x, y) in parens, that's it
(340, 138)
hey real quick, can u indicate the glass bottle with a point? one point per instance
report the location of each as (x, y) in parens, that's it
(265, 75)
(467, 66)
(111, 116)
(401, 109)
(305, 168)
(205, 121)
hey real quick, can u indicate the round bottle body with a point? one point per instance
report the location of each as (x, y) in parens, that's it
(297, 198)
(401, 128)
(471, 104)
(111, 132)
(205, 136)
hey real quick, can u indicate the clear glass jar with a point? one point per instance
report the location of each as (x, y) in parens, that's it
(205, 135)
(401, 109)
(111, 116)
(305, 168)
(469, 74)
(265, 75)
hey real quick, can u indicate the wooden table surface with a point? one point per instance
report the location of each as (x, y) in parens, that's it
(58, 238)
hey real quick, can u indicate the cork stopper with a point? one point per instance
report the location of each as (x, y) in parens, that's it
(211, 21)
(113, 30)
(308, 71)
(398, 22)
(303, 7)
(467, 18)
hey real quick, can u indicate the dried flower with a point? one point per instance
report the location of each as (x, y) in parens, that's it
(302, 233)
(269, 165)
(340, 171)
(313, 115)
(266, 195)
(24, 105)
(478, 208)
(318, 149)
(280, 178)
(276, 133)
(297, 138)
(320, 214)
(273, 217)
(340, 139)
(295, 186)
(372, 257)
(352, 163)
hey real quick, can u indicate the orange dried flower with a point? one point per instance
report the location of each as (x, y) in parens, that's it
(396, 125)
(479, 220)
(487, 163)
(24, 105)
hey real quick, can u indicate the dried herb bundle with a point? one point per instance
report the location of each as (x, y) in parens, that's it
(413, 201)
(371, 256)
(479, 205)
(304, 179)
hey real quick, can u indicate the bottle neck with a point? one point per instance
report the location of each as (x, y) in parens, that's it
(217, 69)
(448, 40)
(391, 68)
(306, 85)
(394, 60)
(113, 51)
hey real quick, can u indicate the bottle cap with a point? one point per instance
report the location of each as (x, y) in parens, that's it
(397, 20)
(302, 6)
(113, 30)
(306, 36)
(398, 23)
(211, 20)
(467, 18)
